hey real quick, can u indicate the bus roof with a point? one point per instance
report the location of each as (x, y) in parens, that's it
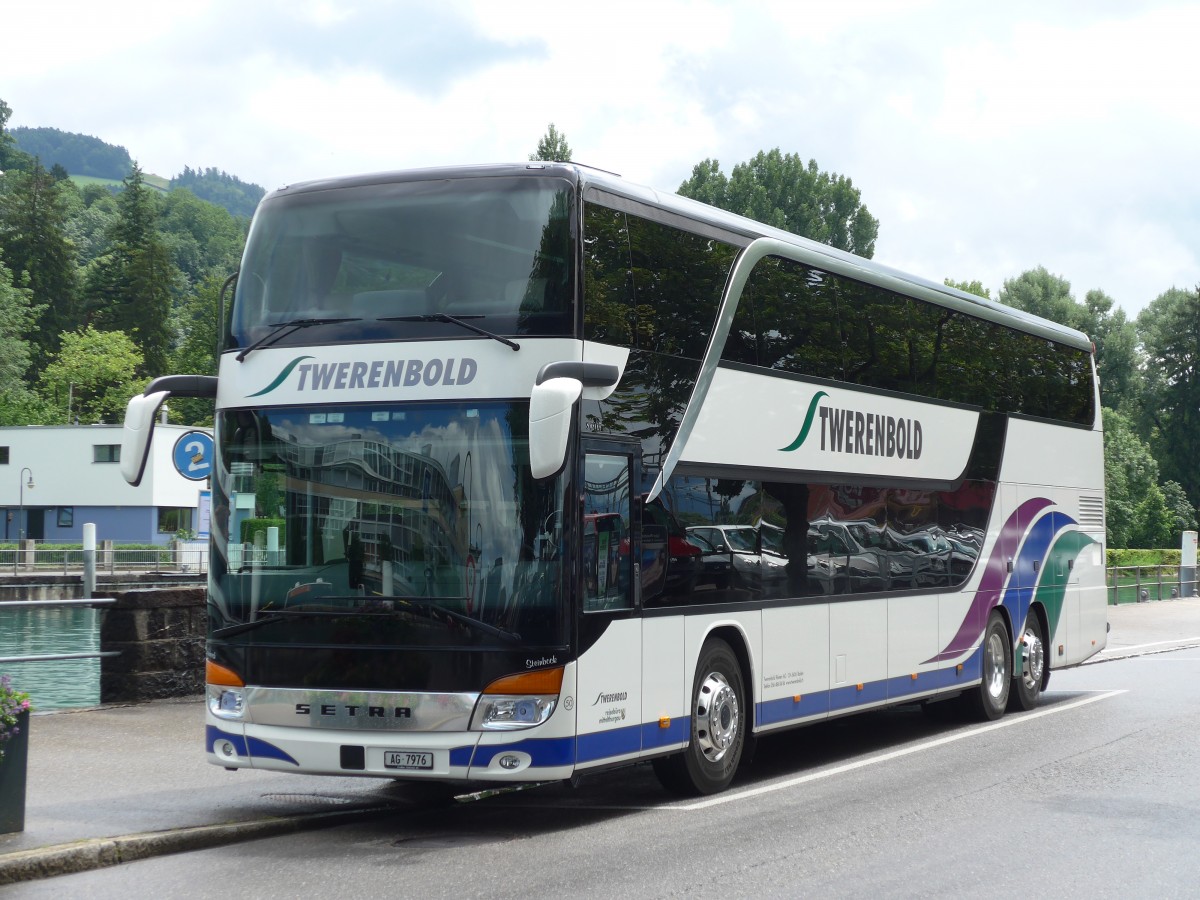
(845, 263)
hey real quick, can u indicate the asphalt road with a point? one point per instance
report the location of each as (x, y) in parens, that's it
(1096, 794)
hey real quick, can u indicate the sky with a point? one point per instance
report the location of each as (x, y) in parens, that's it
(987, 139)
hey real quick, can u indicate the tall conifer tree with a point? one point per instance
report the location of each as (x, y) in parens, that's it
(35, 247)
(129, 289)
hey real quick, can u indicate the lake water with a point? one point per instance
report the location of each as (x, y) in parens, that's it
(58, 684)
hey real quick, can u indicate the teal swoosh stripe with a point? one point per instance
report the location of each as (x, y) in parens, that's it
(808, 420)
(287, 370)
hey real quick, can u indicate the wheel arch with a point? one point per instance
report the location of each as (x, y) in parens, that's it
(739, 643)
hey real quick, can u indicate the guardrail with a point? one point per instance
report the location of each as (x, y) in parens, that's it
(1141, 584)
(49, 558)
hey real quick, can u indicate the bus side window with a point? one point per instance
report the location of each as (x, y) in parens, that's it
(606, 538)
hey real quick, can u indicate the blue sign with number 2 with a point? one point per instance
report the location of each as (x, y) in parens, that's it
(193, 455)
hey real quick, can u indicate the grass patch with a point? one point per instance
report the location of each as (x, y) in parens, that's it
(154, 181)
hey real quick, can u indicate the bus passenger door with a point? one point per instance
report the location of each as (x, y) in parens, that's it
(609, 677)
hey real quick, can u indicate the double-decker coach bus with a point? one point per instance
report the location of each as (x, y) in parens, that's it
(524, 471)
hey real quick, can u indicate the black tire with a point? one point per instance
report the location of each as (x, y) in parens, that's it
(1030, 677)
(718, 727)
(989, 700)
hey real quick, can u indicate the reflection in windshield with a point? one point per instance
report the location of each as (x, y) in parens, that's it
(400, 260)
(389, 512)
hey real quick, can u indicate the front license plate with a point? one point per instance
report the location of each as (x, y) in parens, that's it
(407, 759)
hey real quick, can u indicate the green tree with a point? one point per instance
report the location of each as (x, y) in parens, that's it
(780, 190)
(196, 353)
(1154, 523)
(203, 238)
(552, 147)
(11, 157)
(15, 322)
(1039, 292)
(1169, 329)
(34, 245)
(1183, 512)
(1118, 358)
(92, 218)
(1043, 294)
(97, 370)
(129, 289)
(970, 287)
(1130, 476)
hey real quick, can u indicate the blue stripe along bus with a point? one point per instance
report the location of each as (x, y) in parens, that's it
(522, 471)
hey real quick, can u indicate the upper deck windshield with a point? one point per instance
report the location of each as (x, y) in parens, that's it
(495, 251)
(384, 525)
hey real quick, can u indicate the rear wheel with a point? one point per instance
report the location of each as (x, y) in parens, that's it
(718, 734)
(989, 700)
(1028, 681)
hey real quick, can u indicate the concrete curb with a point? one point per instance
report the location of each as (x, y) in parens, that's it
(99, 853)
(1158, 647)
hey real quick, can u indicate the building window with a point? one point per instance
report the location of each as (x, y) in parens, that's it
(66, 517)
(3, 456)
(106, 453)
(173, 521)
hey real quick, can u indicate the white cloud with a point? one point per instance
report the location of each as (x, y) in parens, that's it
(986, 140)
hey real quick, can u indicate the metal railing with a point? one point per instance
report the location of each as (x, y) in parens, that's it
(24, 605)
(1141, 584)
(51, 559)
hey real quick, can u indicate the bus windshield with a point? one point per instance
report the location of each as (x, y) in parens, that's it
(396, 260)
(419, 522)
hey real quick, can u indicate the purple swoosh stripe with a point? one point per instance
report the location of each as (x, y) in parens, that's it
(995, 573)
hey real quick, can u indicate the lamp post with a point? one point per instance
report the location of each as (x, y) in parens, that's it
(21, 508)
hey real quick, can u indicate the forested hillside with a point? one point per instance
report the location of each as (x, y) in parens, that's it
(219, 187)
(79, 154)
(64, 153)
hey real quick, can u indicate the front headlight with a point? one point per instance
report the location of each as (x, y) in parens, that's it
(504, 713)
(518, 701)
(224, 689)
(225, 702)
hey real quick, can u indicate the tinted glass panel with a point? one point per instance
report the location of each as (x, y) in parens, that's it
(606, 537)
(800, 319)
(498, 250)
(384, 524)
(649, 285)
(793, 311)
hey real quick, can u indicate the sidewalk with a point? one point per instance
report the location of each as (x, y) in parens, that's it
(118, 783)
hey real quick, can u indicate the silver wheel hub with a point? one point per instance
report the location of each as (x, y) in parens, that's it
(717, 717)
(994, 669)
(1033, 654)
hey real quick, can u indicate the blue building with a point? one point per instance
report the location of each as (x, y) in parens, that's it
(53, 479)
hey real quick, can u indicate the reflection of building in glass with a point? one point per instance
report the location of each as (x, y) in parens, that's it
(401, 504)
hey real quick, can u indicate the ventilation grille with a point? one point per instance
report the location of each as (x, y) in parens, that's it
(1091, 513)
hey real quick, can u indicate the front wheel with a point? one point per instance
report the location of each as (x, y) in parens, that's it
(1028, 681)
(989, 700)
(718, 732)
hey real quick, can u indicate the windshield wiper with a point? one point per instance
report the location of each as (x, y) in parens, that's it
(433, 611)
(453, 320)
(279, 329)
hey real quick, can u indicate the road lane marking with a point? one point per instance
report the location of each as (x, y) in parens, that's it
(1144, 646)
(733, 797)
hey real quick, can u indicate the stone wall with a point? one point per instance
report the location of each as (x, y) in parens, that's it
(160, 633)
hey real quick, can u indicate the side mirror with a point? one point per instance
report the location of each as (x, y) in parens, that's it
(139, 429)
(142, 410)
(550, 405)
